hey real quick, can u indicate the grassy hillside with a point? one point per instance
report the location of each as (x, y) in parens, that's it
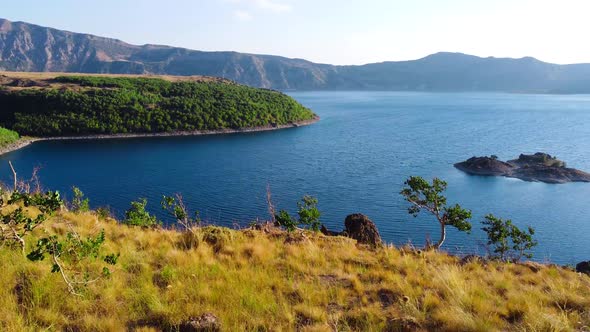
(262, 281)
(91, 105)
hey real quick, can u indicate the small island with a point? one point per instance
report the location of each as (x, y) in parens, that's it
(539, 167)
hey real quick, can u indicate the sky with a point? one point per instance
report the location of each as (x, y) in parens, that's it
(330, 31)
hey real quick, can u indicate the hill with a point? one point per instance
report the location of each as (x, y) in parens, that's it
(272, 280)
(28, 47)
(49, 105)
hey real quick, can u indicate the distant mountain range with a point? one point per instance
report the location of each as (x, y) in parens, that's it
(29, 47)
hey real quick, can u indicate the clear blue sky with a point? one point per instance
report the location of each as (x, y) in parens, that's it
(330, 31)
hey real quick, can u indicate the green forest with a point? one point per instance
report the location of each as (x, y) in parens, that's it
(92, 105)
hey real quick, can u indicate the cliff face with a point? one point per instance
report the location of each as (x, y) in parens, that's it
(28, 47)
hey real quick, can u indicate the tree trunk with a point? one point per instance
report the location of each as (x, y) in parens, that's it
(443, 236)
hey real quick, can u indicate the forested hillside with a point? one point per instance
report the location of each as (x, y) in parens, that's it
(92, 105)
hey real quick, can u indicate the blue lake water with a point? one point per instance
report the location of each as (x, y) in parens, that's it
(354, 160)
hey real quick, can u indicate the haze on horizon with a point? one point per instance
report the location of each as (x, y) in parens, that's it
(330, 31)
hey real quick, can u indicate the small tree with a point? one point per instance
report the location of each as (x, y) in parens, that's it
(79, 203)
(509, 242)
(67, 255)
(309, 215)
(138, 216)
(428, 197)
(308, 212)
(176, 208)
(16, 224)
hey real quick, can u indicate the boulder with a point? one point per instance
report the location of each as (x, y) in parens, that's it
(361, 228)
(583, 267)
(205, 323)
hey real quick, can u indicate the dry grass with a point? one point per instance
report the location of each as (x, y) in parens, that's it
(44, 80)
(252, 280)
(52, 75)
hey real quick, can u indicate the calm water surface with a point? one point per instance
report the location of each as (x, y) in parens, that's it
(354, 160)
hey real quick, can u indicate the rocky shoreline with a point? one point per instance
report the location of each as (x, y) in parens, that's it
(26, 141)
(539, 167)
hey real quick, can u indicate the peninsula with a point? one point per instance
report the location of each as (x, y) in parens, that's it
(539, 167)
(64, 106)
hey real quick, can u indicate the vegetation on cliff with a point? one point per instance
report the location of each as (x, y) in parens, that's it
(139, 276)
(93, 105)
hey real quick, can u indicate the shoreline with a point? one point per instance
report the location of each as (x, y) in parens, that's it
(26, 141)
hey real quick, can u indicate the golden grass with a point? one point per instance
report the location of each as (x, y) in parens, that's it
(252, 280)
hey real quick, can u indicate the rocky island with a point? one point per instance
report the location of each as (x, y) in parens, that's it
(539, 167)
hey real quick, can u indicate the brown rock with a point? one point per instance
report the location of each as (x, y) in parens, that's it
(361, 228)
(583, 267)
(205, 323)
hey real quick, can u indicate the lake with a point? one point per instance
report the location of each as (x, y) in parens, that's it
(355, 159)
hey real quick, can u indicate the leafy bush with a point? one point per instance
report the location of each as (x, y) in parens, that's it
(68, 253)
(284, 219)
(428, 197)
(509, 242)
(79, 203)
(138, 216)
(16, 224)
(176, 208)
(308, 212)
(309, 215)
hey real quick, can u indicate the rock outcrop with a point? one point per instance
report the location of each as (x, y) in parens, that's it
(583, 267)
(361, 228)
(204, 323)
(539, 167)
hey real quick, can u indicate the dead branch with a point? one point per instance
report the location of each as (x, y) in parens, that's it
(14, 174)
(271, 207)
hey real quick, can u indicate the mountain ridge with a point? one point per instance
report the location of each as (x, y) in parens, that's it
(30, 47)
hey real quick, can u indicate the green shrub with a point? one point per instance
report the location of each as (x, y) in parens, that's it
(79, 203)
(508, 242)
(309, 215)
(284, 219)
(67, 255)
(138, 216)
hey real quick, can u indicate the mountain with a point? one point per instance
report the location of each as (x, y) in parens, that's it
(28, 47)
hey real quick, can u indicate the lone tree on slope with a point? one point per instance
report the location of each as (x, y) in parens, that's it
(428, 197)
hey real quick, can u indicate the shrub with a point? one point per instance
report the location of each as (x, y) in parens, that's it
(284, 219)
(79, 203)
(103, 213)
(68, 253)
(176, 208)
(308, 213)
(138, 216)
(509, 242)
(17, 223)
